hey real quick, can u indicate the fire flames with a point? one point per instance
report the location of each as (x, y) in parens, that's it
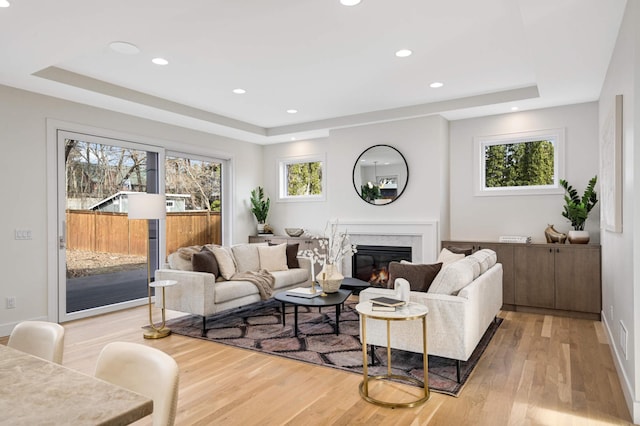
(379, 276)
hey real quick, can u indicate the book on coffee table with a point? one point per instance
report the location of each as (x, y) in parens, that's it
(386, 301)
(382, 308)
(304, 292)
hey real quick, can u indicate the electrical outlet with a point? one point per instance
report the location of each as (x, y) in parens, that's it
(22, 234)
(611, 312)
(11, 302)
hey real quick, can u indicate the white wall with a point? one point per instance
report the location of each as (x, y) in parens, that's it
(620, 267)
(23, 168)
(486, 218)
(422, 141)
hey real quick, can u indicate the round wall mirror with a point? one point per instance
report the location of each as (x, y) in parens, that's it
(380, 174)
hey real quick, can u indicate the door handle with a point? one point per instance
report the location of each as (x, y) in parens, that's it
(62, 239)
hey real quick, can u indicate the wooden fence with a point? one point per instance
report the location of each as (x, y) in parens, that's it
(115, 233)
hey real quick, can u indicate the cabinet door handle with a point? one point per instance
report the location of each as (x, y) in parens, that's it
(557, 250)
(550, 250)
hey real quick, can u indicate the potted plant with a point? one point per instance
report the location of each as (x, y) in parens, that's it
(370, 192)
(577, 209)
(260, 207)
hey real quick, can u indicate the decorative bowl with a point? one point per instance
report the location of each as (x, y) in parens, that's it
(294, 232)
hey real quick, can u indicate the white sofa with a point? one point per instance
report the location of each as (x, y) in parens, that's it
(462, 300)
(200, 293)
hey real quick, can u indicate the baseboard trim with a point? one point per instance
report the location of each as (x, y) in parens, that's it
(633, 405)
(557, 312)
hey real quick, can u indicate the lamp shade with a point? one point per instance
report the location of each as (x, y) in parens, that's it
(147, 206)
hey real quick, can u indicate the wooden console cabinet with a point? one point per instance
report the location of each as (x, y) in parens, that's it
(547, 278)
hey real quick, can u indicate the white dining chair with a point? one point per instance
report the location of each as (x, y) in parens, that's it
(39, 338)
(145, 370)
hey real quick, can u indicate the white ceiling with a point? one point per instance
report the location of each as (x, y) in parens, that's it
(334, 64)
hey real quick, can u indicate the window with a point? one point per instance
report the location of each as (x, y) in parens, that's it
(302, 178)
(520, 163)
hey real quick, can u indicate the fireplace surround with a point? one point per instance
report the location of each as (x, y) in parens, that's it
(423, 238)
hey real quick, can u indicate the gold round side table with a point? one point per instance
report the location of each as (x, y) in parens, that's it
(410, 311)
(151, 331)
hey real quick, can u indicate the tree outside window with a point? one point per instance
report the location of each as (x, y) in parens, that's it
(520, 163)
(302, 179)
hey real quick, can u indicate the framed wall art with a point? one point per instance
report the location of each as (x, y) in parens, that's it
(611, 168)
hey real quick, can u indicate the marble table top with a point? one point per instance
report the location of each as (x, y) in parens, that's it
(37, 392)
(411, 310)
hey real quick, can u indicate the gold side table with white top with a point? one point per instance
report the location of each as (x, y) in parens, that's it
(151, 331)
(410, 311)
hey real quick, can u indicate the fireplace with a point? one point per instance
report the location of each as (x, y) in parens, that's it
(371, 263)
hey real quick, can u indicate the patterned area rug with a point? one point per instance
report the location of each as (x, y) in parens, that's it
(259, 327)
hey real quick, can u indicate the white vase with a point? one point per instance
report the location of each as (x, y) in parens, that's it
(578, 237)
(261, 228)
(330, 278)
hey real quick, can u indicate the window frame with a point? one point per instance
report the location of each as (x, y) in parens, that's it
(282, 164)
(557, 136)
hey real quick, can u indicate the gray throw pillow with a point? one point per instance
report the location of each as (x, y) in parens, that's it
(420, 276)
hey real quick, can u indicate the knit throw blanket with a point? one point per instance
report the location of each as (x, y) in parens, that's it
(262, 279)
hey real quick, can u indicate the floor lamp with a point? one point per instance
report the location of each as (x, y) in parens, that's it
(149, 207)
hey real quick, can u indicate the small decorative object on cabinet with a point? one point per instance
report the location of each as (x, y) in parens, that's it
(577, 209)
(294, 232)
(554, 236)
(260, 207)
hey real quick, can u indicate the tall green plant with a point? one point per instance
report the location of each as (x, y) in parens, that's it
(259, 206)
(577, 209)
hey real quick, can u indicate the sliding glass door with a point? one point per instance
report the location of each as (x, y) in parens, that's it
(102, 254)
(194, 200)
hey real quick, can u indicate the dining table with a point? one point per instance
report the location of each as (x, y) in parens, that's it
(34, 391)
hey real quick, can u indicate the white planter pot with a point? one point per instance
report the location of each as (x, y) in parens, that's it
(261, 228)
(578, 237)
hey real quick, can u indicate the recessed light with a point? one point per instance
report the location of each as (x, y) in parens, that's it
(4, 3)
(159, 61)
(436, 85)
(292, 111)
(124, 47)
(349, 2)
(239, 91)
(403, 53)
(515, 108)
(293, 138)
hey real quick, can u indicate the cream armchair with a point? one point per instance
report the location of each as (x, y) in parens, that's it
(455, 323)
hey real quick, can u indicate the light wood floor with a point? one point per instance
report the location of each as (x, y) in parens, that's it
(538, 370)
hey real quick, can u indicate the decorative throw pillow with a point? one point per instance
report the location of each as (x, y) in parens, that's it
(205, 261)
(187, 252)
(459, 250)
(447, 257)
(292, 255)
(226, 264)
(273, 258)
(487, 259)
(179, 263)
(246, 257)
(453, 278)
(419, 276)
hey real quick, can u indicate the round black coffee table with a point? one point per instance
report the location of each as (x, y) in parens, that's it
(331, 299)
